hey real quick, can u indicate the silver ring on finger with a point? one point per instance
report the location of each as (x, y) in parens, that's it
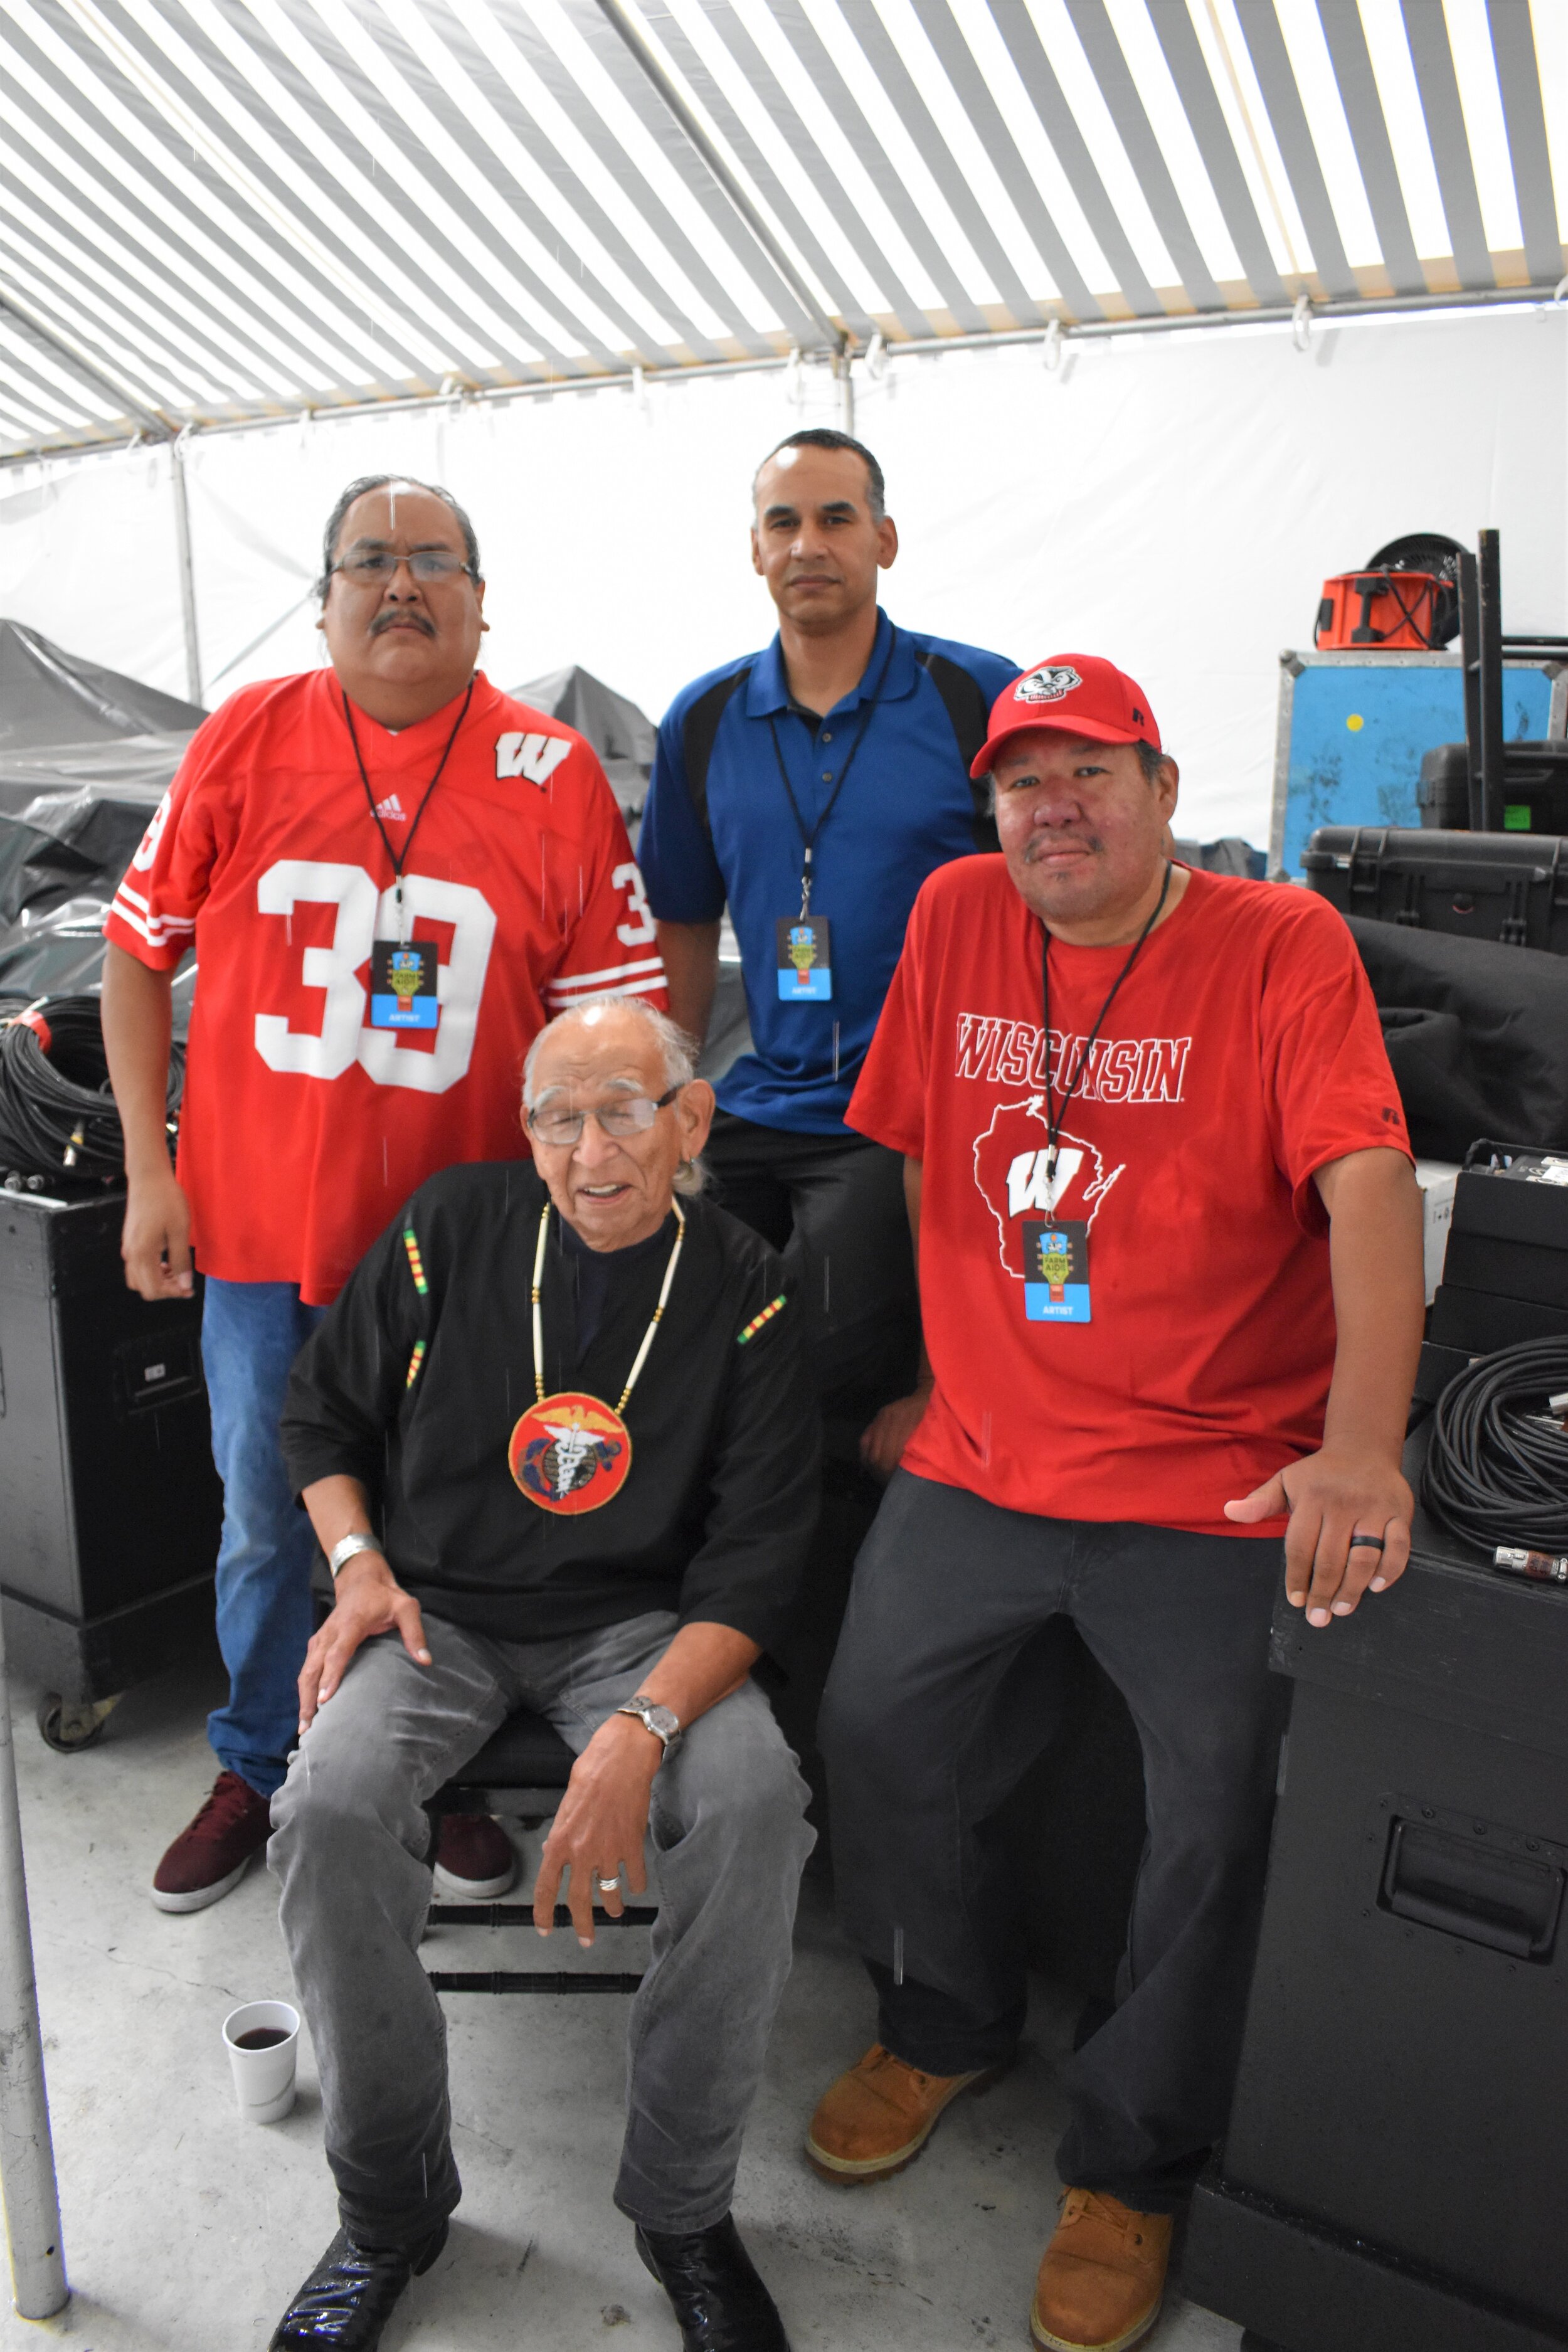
(610, 1885)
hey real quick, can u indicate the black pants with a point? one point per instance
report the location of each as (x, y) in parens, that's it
(944, 1690)
(833, 1206)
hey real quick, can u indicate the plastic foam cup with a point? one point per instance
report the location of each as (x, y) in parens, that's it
(263, 2043)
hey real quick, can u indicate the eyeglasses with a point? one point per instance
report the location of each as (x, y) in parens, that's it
(627, 1115)
(369, 566)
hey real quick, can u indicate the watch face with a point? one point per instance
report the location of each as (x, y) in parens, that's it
(663, 1721)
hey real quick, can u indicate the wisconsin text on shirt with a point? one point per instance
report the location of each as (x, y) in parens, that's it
(1121, 1069)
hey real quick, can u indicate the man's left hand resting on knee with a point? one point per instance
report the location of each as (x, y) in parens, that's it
(557, 1442)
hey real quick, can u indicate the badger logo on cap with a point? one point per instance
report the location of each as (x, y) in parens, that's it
(1048, 685)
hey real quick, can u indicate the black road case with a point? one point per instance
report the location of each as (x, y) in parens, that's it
(1510, 1231)
(1391, 2176)
(1510, 887)
(108, 1499)
(1535, 787)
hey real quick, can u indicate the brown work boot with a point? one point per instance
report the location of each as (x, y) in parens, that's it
(1102, 2275)
(877, 2118)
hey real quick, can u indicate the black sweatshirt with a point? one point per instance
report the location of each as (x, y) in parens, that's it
(717, 1513)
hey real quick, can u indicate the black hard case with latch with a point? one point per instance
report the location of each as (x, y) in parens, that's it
(1513, 887)
(1392, 2176)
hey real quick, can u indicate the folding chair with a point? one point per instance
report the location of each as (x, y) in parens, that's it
(521, 1770)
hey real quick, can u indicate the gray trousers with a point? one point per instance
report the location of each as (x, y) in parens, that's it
(349, 1846)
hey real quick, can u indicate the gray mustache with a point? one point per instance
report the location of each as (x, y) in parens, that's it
(391, 618)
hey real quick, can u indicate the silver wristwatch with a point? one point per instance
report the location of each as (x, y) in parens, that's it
(342, 1553)
(662, 1721)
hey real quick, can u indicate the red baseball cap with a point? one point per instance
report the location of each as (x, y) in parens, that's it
(1078, 694)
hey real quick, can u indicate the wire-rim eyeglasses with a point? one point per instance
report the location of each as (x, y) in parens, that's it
(370, 566)
(626, 1115)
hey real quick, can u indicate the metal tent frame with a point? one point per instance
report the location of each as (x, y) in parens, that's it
(227, 213)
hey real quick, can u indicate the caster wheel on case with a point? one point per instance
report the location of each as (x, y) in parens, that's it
(70, 1725)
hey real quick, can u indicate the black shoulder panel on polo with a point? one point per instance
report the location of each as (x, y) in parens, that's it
(699, 730)
(969, 713)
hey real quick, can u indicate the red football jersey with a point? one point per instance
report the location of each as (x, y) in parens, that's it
(1151, 1336)
(304, 1126)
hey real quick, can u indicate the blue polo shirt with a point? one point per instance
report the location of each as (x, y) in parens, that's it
(717, 828)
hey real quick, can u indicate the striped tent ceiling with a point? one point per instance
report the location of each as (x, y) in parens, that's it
(219, 210)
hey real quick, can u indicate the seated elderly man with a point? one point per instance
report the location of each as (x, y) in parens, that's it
(556, 1440)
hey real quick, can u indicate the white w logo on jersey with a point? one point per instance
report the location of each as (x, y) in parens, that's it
(537, 757)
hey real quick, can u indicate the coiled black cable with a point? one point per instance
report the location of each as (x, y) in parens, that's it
(1498, 1468)
(58, 1116)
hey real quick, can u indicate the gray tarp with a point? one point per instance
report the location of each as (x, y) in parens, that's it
(85, 757)
(622, 735)
(49, 696)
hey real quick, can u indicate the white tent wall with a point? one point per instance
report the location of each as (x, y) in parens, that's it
(88, 555)
(1172, 500)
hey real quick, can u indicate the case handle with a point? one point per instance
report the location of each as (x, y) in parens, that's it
(1480, 1894)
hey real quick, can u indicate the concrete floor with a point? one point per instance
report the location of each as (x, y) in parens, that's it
(186, 2231)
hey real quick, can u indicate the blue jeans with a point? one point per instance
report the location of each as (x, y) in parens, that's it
(251, 1333)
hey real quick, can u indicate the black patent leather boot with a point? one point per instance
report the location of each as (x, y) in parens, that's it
(720, 2300)
(348, 2298)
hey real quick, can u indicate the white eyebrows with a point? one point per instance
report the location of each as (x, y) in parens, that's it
(620, 1083)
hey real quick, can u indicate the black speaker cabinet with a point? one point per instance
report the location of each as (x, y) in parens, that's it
(1393, 2177)
(108, 1500)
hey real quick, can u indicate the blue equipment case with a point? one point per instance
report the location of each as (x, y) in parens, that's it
(1353, 728)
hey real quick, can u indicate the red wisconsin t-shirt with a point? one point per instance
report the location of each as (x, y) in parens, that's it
(305, 1127)
(1242, 1053)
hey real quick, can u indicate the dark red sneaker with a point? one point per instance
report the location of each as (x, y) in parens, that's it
(212, 1855)
(474, 1861)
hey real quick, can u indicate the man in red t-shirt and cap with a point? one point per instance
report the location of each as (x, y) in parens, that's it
(1171, 1280)
(393, 875)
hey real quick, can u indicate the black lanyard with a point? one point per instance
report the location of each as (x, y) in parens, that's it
(399, 863)
(809, 840)
(1052, 1116)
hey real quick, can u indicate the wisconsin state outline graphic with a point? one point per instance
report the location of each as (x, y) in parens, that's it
(1010, 1162)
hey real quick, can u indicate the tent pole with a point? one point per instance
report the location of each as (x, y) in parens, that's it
(26, 2149)
(187, 573)
(845, 392)
(832, 335)
(88, 369)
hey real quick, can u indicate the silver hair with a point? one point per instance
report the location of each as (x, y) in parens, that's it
(680, 1053)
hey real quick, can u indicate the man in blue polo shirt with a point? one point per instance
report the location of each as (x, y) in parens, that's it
(813, 787)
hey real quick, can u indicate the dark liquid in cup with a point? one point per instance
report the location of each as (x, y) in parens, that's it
(260, 2037)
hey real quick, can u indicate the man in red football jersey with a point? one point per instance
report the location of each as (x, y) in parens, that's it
(1170, 1270)
(393, 875)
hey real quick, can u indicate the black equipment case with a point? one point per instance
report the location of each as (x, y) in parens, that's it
(1510, 1231)
(1391, 2176)
(1505, 1269)
(1509, 887)
(111, 1504)
(1535, 787)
